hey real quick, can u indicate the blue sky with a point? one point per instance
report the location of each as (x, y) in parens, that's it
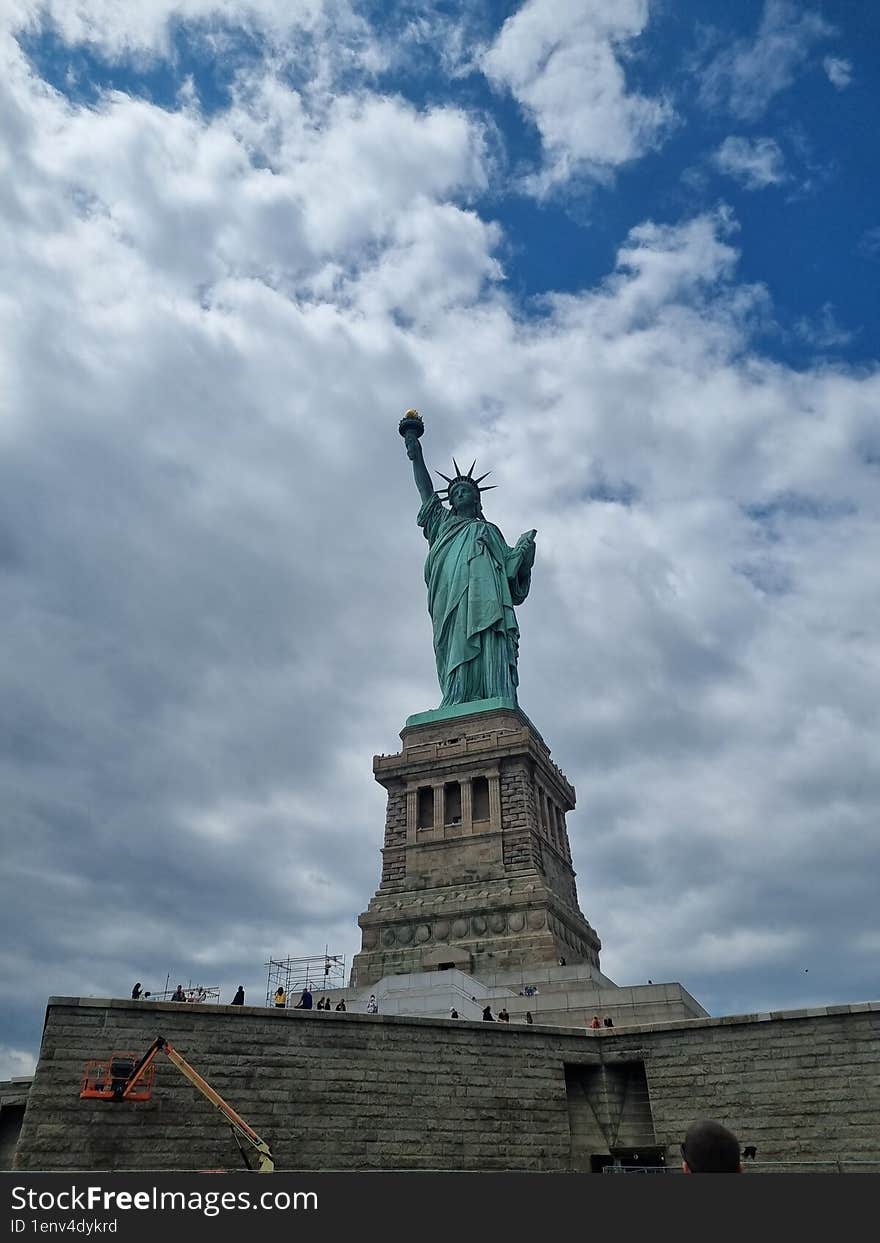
(627, 257)
(806, 213)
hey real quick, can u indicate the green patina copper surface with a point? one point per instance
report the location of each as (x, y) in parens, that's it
(474, 580)
(468, 709)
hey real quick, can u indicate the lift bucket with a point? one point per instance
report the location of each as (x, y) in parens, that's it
(105, 1081)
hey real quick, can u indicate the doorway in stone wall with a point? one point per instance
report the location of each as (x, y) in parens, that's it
(609, 1114)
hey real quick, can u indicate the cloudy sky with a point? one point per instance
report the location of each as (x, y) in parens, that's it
(624, 255)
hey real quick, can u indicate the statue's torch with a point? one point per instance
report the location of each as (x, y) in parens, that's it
(411, 427)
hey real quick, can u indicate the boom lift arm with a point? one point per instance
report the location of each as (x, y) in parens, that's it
(125, 1078)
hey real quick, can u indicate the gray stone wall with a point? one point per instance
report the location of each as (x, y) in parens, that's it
(327, 1092)
(521, 849)
(804, 1086)
(352, 1091)
(13, 1098)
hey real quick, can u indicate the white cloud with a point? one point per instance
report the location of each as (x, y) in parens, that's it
(211, 575)
(16, 1062)
(839, 71)
(117, 30)
(747, 74)
(869, 941)
(756, 163)
(432, 237)
(192, 198)
(869, 243)
(823, 330)
(564, 62)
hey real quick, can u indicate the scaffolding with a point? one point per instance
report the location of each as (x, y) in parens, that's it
(192, 992)
(321, 971)
(199, 993)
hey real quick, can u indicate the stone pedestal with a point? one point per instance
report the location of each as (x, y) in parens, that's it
(476, 868)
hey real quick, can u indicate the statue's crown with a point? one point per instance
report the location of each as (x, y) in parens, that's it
(460, 478)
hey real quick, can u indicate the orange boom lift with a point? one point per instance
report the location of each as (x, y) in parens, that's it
(127, 1078)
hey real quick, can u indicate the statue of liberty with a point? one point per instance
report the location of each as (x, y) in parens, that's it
(474, 579)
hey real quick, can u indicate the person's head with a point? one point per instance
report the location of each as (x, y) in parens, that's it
(464, 498)
(709, 1148)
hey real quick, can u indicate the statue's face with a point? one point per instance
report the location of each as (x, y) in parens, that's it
(464, 499)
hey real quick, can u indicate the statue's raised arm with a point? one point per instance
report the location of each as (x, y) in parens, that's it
(411, 428)
(474, 581)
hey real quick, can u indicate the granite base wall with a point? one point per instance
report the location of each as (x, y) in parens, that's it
(353, 1091)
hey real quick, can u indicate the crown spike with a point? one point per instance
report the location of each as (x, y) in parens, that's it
(470, 473)
(442, 476)
(486, 476)
(488, 487)
(457, 469)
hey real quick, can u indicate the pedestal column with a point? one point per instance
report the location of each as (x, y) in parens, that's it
(485, 895)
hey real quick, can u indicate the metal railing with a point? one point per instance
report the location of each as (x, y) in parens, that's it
(830, 1166)
(637, 1169)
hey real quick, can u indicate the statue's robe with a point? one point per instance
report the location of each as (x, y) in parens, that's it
(473, 585)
